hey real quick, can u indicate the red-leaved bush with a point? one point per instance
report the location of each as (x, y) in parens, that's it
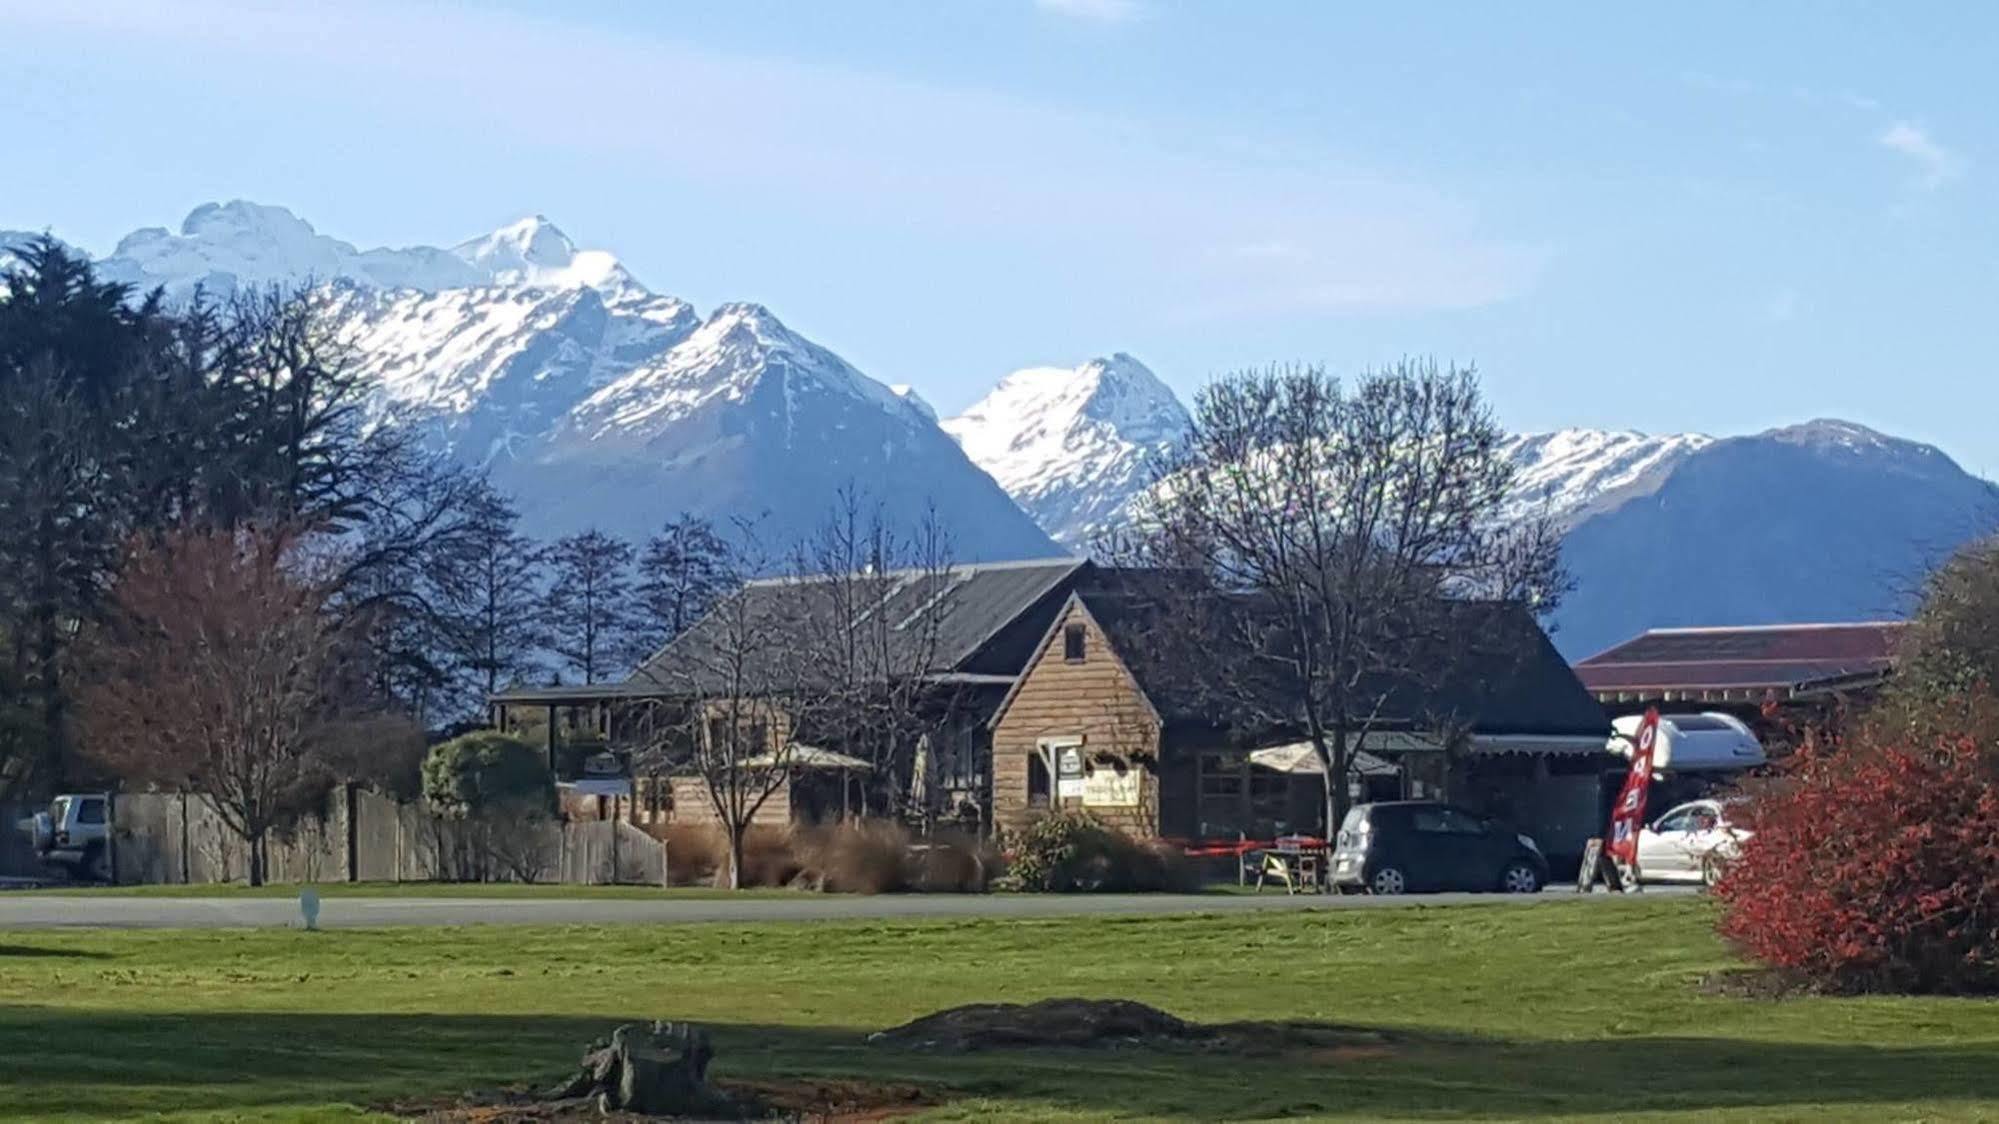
(1875, 866)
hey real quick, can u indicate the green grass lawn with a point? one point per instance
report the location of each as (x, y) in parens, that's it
(1578, 1010)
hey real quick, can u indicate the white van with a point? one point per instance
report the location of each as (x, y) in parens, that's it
(1692, 743)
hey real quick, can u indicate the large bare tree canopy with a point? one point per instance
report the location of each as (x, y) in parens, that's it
(222, 667)
(1326, 534)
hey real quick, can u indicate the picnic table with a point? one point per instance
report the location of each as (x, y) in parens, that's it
(1296, 862)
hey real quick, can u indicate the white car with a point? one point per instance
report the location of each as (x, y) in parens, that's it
(1693, 842)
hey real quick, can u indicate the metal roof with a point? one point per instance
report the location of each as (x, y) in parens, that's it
(968, 605)
(1511, 680)
(1741, 663)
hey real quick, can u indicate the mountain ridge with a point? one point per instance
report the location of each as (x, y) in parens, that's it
(596, 401)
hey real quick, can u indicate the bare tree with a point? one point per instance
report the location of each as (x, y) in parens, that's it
(222, 668)
(874, 603)
(588, 608)
(1333, 544)
(730, 697)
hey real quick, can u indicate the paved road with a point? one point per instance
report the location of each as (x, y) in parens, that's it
(25, 911)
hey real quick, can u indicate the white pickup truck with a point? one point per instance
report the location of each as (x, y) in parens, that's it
(75, 835)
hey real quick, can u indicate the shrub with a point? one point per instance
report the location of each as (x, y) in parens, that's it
(1072, 851)
(1872, 865)
(486, 771)
(867, 857)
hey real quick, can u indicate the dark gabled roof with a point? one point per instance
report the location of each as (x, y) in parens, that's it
(973, 607)
(1741, 663)
(1511, 681)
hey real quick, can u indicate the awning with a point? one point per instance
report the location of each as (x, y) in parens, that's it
(1300, 758)
(802, 756)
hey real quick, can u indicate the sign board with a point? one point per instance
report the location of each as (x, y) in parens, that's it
(1111, 788)
(1069, 779)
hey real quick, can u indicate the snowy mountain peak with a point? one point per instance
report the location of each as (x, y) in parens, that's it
(223, 246)
(534, 251)
(1073, 445)
(240, 218)
(1851, 438)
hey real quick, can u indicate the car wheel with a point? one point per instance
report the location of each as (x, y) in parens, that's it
(1712, 868)
(1388, 880)
(1520, 878)
(96, 865)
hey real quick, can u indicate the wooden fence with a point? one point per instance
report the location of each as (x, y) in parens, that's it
(361, 836)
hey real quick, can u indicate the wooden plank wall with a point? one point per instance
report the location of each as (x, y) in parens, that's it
(1095, 699)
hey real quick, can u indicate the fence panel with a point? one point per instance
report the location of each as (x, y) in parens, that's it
(376, 837)
(641, 858)
(215, 853)
(149, 831)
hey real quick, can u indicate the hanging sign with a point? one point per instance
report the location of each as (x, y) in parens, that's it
(1069, 779)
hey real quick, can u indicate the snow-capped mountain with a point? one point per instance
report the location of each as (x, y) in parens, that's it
(1824, 521)
(1073, 445)
(1571, 474)
(596, 401)
(599, 402)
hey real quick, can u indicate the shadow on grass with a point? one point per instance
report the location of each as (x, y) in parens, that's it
(115, 1066)
(22, 950)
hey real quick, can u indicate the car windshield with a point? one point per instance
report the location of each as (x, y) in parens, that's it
(59, 808)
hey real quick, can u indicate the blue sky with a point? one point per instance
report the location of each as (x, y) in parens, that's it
(1720, 218)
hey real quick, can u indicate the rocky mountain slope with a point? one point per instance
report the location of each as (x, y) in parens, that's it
(597, 401)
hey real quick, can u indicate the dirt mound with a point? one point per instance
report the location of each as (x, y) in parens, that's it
(1072, 1023)
(1051, 1022)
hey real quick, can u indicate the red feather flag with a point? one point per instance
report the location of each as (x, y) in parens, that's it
(1629, 815)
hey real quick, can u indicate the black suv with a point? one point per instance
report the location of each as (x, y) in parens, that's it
(1405, 845)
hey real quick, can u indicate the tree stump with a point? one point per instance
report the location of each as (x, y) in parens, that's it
(659, 1069)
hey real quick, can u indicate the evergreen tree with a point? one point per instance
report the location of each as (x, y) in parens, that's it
(588, 607)
(77, 453)
(683, 570)
(490, 590)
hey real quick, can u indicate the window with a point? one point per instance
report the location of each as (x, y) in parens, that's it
(1072, 643)
(1679, 819)
(1037, 782)
(1429, 821)
(90, 811)
(1221, 776)
(1461, 823)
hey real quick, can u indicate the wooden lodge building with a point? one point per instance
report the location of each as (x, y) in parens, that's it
(1055, 703)
(1095, 723)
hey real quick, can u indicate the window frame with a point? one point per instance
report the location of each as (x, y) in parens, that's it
(1075, 642)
